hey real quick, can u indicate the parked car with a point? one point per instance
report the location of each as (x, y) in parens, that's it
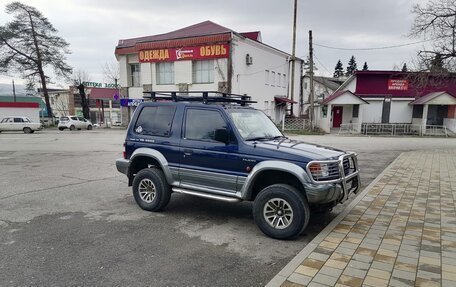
(15, 123)
(74, 122)
(224, 150)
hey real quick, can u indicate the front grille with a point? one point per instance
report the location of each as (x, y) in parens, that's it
(349, 165)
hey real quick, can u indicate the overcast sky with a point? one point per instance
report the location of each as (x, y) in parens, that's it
(93, 27)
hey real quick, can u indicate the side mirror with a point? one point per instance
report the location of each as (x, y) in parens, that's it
(222, 135)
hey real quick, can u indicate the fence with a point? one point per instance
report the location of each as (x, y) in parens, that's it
(403, 129)
(295, 124)
(348, 129)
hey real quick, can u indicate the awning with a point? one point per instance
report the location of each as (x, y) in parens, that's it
(284, 100)
(104, 93)
(435, 98)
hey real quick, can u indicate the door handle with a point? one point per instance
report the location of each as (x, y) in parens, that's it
(188, 152)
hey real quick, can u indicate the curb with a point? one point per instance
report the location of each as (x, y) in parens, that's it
(283, 275)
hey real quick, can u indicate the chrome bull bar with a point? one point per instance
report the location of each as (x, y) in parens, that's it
(343, 178)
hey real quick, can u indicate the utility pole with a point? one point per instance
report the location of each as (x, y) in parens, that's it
(293, 56)
(311, 75)
(14, 92)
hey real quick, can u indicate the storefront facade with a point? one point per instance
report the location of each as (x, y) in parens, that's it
(390, 97)
(208, 57)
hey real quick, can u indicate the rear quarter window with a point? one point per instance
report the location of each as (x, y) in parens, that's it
(155, 121)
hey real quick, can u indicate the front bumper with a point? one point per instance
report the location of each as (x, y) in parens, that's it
(123, 165)
(324, 191)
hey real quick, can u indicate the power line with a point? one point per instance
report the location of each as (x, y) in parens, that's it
(315, 56)
(373, 48)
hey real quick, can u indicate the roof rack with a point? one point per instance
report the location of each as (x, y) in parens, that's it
(205, 97)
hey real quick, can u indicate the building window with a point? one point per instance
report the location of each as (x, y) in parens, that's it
(305, 85)
(203, 72)
(417, 111)
(135, 72)
(165, 73)
(355, 111)
(273, 78)
(284, 81)
(266, 77)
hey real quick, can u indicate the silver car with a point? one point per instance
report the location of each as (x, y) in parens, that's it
(74, 122)
(15, 123)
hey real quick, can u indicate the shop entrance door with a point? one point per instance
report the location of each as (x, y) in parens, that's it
(337, 117)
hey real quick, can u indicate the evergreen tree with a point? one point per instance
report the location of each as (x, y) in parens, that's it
(365, 67)
(404, 68)
(338, 70)
(352, 67)
(29, 44)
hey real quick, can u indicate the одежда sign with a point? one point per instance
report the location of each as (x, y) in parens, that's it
(186, 53)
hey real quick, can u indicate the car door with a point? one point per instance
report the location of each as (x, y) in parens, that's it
(83, 122)
(18, 124)
(207, 164)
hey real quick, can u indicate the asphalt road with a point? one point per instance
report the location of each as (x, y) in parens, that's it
(68, 218)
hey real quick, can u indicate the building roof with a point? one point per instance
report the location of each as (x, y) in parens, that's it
(337, 94)
(205, 28)
(429, 97)
(332, 83)
(284, 100)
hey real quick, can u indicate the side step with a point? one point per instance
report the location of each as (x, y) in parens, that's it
(205, 195)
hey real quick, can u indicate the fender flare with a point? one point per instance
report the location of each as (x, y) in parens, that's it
(275, 165)
(158, 156)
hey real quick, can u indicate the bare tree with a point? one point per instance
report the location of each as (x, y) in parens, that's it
(111, 72)
(436, 21)
(78, 79)
(29, 44)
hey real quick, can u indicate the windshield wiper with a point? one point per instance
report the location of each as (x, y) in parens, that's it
(258, 138)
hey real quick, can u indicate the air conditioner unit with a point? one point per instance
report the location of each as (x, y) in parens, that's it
(248, 59)
(183, 88)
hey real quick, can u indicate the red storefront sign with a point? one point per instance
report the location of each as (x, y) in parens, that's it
(397, 85)
(186, 53)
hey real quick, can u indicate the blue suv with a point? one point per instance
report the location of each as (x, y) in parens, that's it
(220, 148)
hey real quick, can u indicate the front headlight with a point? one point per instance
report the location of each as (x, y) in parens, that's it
(319, 170)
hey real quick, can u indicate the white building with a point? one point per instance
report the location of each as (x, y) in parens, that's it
(412, 100)
(323, 88)
(209, 57)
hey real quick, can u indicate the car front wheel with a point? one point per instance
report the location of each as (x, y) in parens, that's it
(89, 127)
(150, 189)
(281, 211)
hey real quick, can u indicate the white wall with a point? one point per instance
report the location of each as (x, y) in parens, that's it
(372, 113)
(450, 124)
(401, 112)
(32, 113)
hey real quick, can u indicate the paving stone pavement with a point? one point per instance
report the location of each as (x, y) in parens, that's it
(400, 231)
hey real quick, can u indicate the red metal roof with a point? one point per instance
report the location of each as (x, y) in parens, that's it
(201, 29)
(338, 94)
(19, 105)
(256, 36)
(103, 93)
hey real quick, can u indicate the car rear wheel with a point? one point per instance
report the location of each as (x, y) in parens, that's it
(72, 128)
(89, 127)
(61, 129)
(27, 130)
(281, 211)
(150, 189)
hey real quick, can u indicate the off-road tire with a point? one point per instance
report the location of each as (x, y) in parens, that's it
(293, 200)
(162, 189)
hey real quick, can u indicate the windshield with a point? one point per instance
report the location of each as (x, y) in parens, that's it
(254, 124)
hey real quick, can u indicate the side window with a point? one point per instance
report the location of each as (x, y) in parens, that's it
(10, 120)
(18, 120)
(5, 120)
(201, 124)
(155, 121)
(74, 118)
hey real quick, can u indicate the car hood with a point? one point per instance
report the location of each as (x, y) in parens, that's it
(296, 150)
